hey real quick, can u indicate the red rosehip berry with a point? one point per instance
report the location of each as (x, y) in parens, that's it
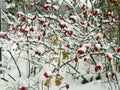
(96, 48)
(43, 33)
(76, 59)
(23, 88)
(18, 15)
(37, 53)
(95, 12)
(70, 33)
(31, 29)
(67, 86)
(38, 38)
(107, 76)
(113, 74)
(45, 74)
(97, 68)
(97, 38)
(113, 1)
(85, 59)
(68, 45)
(83, 7)
(34, 17)
(118, 50)
(109, 58)
(23, 19)
(80, 52)
(68, 7)
(104, 35)
(41, 21)
(62, 25)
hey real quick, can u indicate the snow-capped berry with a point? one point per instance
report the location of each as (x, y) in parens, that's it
(31, 5)
(44, 25)
(85, 59)
(113, 1)
(83, 7)
(82, 23)
(70, 33)
(46, 6)
(95, 12)
(38, 38)
(41, 21)
(113, 74)
(97, 68)
(109, 57)
(24, 31)
(68, 45)
(48, 2)
(62, 24)
(55, 8)
(68, 7)
(23, 88)
(37, 53)
(45, 74)
(34, 17)
(97, 37)
(4, 36)
(18, 15)
(118, 50)
(35, 3)
(104, 35)
(76, 59)
(23, 19)
(73, 18)
(61, 18)
(96, 47)
(85, 13)
(14, 28)
(107, 76)
(66, 32)
(67, 86)
(87, 46)
(88, 24)
(80, 52)
(108, 15)
(31, 29)
(43, 33)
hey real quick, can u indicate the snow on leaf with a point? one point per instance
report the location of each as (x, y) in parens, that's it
(65, 55)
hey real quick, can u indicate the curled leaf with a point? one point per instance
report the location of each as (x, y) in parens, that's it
(65, 55)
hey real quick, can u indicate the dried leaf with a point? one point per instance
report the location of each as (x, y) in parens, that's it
(57, 82)
(54, 58)
(55, 41)
(65, 55)
(59, 77)
(48, 80)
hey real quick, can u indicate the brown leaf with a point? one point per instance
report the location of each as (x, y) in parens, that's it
(65, 55)
(55, 41)
(48, 80)
(57, 82)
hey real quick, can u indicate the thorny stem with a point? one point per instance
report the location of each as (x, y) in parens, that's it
(15, 63)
